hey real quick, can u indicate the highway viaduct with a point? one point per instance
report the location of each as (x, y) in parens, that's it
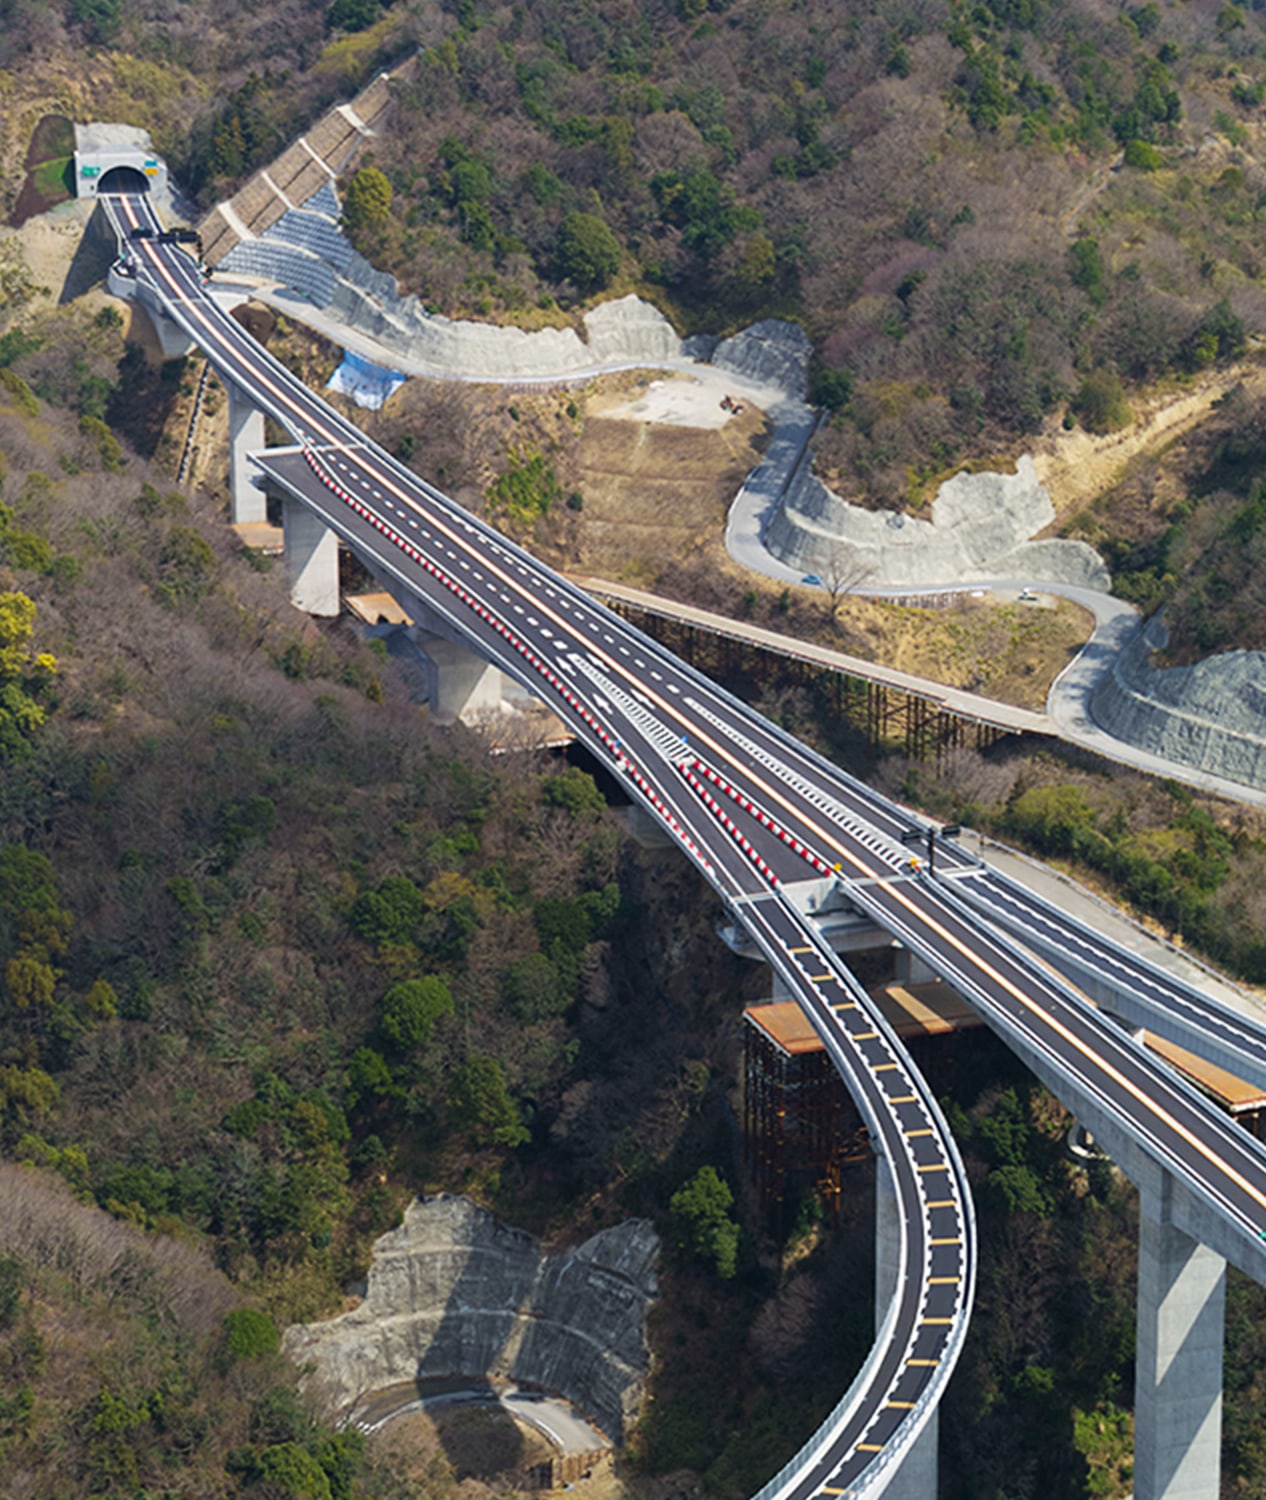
(806, 861)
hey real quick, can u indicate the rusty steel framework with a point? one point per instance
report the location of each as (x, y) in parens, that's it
(921, 727)
(798, 1124)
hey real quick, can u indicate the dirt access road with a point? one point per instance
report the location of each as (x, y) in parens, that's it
(1076, 467)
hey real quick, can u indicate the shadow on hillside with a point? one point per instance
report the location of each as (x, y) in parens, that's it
(88, 269)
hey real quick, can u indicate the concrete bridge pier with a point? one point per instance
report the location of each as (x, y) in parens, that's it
(246, 436)
(916, 1476)
(909, 968)
(311, 560)
(461, 685)
(1178, 1365)
(173, 341)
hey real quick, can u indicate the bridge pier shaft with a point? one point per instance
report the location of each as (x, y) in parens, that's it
(461, 685)
(916, 1476)
(246, 436)
(1178, 1369)
(311, 560)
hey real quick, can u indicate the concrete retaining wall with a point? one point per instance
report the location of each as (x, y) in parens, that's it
(455, 1292)
(980, 527)
(1211, 716)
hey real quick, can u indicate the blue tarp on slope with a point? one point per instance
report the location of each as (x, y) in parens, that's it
(366, 383)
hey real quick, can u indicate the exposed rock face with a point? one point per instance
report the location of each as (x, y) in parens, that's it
(980, 528)
(1211, 715)
(455, 1292)
(771, 352)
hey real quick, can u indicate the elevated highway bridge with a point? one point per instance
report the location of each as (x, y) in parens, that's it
(776, 830)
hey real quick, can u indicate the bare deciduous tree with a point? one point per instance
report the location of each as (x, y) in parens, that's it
(844, 569)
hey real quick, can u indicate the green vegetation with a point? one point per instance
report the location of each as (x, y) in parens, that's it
(1100, 402)
(309, 955)
(586, 252)
(26, 676)
(1196, 551)
(700, 1211)
(411, 1008)
(526, 489)
(367, 201)
(250, 1334)
(1166, 852)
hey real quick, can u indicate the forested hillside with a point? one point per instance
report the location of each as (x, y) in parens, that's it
(276, 952)
(986, 215)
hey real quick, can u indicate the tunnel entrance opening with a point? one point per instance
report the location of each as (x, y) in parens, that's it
(123, 180)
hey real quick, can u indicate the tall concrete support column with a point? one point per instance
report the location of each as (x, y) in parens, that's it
(461, 685)
(311, 560)
(916, 1477)
(1178, 1367)
(246, 436)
